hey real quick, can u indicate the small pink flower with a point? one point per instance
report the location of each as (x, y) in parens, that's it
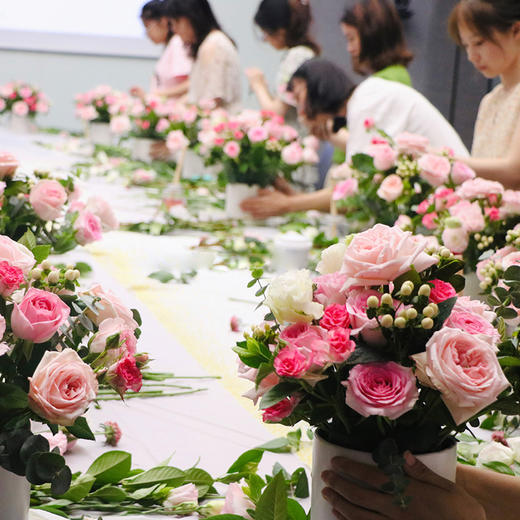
(176, 141)
(455, 239)
(237, 502)
(329, 289)
(480, 189)
(11, 277)
(470, 214)
(441, 291)
(435, 169)
(280, 411)
(391, 188)
(57, 441)
(162, 125)
(20, 108)
(384, 156)
(234, 324)
(232, 149)
(290, 362)
(292, 154)
(112, 433)
(47, 198)
(341, 346)
(411, 144)
(334, 317)
(368, 123)
(428, 220)
(257, 134)
(461, 173)
(125, 375)
(422, 208)
(403, 222)
(88, 228)
(120, 124)
(492, 213)
(345, 189)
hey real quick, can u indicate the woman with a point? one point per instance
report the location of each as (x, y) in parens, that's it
(216, 69)
(375, 40)
(324, 92)
(490, 33)
(171, 77)
(285, 25)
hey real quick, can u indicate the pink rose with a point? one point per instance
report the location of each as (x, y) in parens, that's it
(103, 210)
(237, 502)
(471, 323)
(311, 342)
(16, 254)
(182, 495)
(120, 124)
(441, 291)
(310, 156)
(384, 156)
(110, 327)
(411, 144)
(464, 368)
(511, 259)
(345, 189)
(141, 176)
(310, 141)
(280, 411)
(42, 107)
(290, 362)
(461, 173)
(403, 222)
(162, 125)
(39, 315)
(125, 375)
(510, 202)
(11, 278)
(88, 228)
(341, 346)
(62, 387)
(479, 189)
(435, 169)
(381, 254)
(391, 188)
(57, 441)
(8, 164)
(110, 306)
(334, 317)
(177, 141)
(292, 153)
(423, 207)
(466, 304)
(455, 239)
(289, 133)
(386, 389)
(232, 149)
(470, 214)
(20, 108)
(329, 289)
(47, 198)
(357, 309)
(257, 134)
(493, 214)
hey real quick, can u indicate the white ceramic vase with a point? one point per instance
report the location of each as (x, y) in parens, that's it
(99, 133)
(291, 251)
(444, 463)
(235, 194)
(14, 496)
(22, 124)
(140, 147)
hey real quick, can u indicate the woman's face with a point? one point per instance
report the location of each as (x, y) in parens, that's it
(492, 58)
(182, 26)
(157, 30)
(276, 39)
(353, 43)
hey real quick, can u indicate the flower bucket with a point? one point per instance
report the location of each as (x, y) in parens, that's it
(99, 133)
(140, 147)
(235, 194)
(14, 496)
(444, 463)
(22, 124)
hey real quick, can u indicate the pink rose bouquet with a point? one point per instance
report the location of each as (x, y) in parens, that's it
(22, 99)
(103, 104)
(378, 353)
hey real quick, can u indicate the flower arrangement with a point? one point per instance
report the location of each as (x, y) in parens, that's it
(48, 212)
(101, 104)
(253, 147)
(22, 99)
(378, 353)
(394, 176)
(59, 343)
(472, 218)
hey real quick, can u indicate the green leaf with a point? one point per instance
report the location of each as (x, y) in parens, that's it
(41, 253)
(256, 484)
(248, 461)
(111, 467)
(42, 467)
(28, 240)
(364, 354)
(226, 517)
(509, 361)
(363, 163)
(81, 429)
(263, 371)
(302, 483)
(280, 445)
(512, 273)
(162, 276)
(12, 397)
(33, 444)
(278, 393)
(507, 313)
(83, 267)
(272, 505)
(141, 493)
(80, 488)
(202, 479)
(53, 510)
(295, 511)
(110, 494)
(159, 475)
(61, 481)
(500, 467)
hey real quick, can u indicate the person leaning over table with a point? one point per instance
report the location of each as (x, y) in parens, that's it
(324, 93)
(489, 30)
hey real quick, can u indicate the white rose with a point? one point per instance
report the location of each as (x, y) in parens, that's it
(182, 495)
(495, 452)
(514, 444)
(290, 298)
(332, 259)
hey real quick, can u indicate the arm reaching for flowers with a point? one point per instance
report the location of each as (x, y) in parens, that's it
(477, 495)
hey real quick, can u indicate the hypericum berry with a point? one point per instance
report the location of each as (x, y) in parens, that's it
(54, 277)
(425, 290)
(387, 321)
(400, 323)
(373, 302)
(427, 323)
(36, 274)
(386, 299)
(411, 314)
(45, 265)
(428, 312)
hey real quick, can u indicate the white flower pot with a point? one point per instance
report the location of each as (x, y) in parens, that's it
(444, 463)
(235, 194)
(14, 496)
(291, 251)
(99, 133)
(22, 124)
(140, 147)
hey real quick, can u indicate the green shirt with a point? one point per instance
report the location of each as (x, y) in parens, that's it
(397, 73)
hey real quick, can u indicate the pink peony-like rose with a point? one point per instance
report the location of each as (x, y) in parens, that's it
(472, 323)
(461, 172)
(455, 239)
(341, 346)
(345, 189)
(334, 317)
(120, 124)
(357, 309)
(110, 306)
(103, 210)
(186, 494)
(403, 222)
(232, 149)
(236, 502)
(88, 228)
(57, 441)
(511, 259)
(280, 411)
(124, 375)
(292, 153)
(386, 389)
(466, 304)
(162, 125)
(479, 189)
(16, 254)
(290, 362)
(47, 198)
(464, 368)
(391, 188)
(11, 278)
(257, 134)
(62, 387)
(510, 203)
(384, 156)
(470, 214)
(177, 141)
(381, 254)
(441, 291)
(39, 315)
(311, 342)
(8, 164)
(411, 144)
(329, 289)
(20, 108)
(428, 220)
(434, 169)
(108, 328)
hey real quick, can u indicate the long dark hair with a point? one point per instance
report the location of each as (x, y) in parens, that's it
(328, 87)
(380, 32)
(292, 15)
(484, 16)
(201, 17)
(155, 10)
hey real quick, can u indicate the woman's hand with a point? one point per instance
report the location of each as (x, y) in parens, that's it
(159, 151)
(255, 77)
(268, 203)
(433, 497)
(138, 92)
